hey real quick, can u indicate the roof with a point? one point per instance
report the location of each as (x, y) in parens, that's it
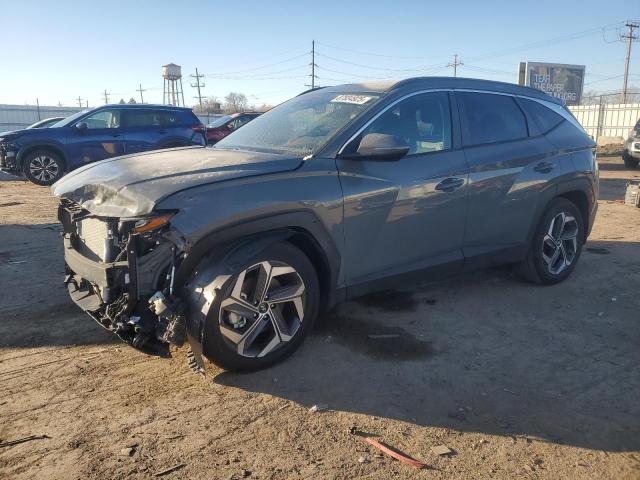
(143, 105)
(417, 83)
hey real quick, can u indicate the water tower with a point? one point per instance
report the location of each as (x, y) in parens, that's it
(173, 94)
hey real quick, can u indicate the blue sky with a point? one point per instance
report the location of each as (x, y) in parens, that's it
(57, 51)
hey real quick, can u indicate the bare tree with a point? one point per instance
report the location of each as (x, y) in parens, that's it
(132, 101)
(209, 105)
(235, 102)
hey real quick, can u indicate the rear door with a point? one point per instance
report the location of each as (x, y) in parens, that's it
(510, 166)
(409, 214)
(143, 129)
(103, 137)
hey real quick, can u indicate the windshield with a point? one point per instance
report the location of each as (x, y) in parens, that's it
(69, 120)
(302, 125)
(218, 122)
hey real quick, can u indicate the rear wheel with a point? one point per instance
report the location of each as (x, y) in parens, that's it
(629, 161)
(43, 167)
(264, 311)
(556, 245)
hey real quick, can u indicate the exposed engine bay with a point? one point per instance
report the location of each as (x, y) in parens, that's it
(122, 274)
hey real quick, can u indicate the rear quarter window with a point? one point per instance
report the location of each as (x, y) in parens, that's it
(490, 118)
(544, 118)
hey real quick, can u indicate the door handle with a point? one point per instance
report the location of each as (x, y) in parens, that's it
(544, 167)
(162, 131)
(116, 135)
(450, 184)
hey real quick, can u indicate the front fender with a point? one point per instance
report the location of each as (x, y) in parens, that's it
(30, 145)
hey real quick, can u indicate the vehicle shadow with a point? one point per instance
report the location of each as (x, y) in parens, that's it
(36, 310)
(484, 352)
(612, 188)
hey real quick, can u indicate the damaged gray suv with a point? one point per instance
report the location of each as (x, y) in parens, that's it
(337, 192)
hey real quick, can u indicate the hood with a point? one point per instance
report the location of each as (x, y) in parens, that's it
(132, 185)
(15, 133)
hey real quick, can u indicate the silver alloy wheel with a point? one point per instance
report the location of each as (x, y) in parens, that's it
(44, 168)
(264, 310)
(560, 243)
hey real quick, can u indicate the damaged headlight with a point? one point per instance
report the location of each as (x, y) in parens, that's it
(151, 223)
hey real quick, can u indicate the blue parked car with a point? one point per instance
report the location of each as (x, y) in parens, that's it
(45, 155)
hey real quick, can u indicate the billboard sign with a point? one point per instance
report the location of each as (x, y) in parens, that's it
(558, 80)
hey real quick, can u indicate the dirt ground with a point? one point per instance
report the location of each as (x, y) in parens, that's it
(519, 381)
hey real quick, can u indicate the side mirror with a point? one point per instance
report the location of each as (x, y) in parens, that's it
(380, 146)
(82, 126)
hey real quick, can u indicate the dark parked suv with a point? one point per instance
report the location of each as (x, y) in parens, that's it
(337, 192)
(45, 154)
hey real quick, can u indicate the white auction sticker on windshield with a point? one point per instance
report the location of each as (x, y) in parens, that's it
(355, 99)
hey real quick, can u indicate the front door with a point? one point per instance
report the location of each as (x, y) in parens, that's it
(103, 137)
(408, 214)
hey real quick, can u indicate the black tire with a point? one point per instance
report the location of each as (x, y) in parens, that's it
(217, 348)
(629, 161)
(43, 167)
(534, 268)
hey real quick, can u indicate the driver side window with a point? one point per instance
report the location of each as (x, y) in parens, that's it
(422, 122)
(103, 119)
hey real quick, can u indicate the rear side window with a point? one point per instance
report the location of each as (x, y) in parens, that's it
(185, 118)
(142, 118)
(169, 119)
(545, 118)
(489, 118)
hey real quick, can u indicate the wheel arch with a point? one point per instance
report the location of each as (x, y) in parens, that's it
(47, 146)
(301, 229)
(579, 199)
(576, 192)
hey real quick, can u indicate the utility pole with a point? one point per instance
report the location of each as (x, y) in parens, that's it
(106, 96)
(313, 65)
(38, 105)
(629, 37)
(455, 65)
(79, 101)
(141, 90)
(197, 85)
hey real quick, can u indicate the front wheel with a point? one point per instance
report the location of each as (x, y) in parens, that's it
(556, 245)
(264, 311)
(43, 167)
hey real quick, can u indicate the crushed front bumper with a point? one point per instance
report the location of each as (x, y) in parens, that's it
(128, 295)
(8, 160)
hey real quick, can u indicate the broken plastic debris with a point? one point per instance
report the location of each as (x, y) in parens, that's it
(395, 453)
(441, 450)
(318, 408)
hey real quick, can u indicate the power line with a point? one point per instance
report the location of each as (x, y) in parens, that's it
(258, 75)
(378, 54)
(629, 37)
(258, 68)
(386, 69)
(456, 63)
(543, 43)
(198, 85)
